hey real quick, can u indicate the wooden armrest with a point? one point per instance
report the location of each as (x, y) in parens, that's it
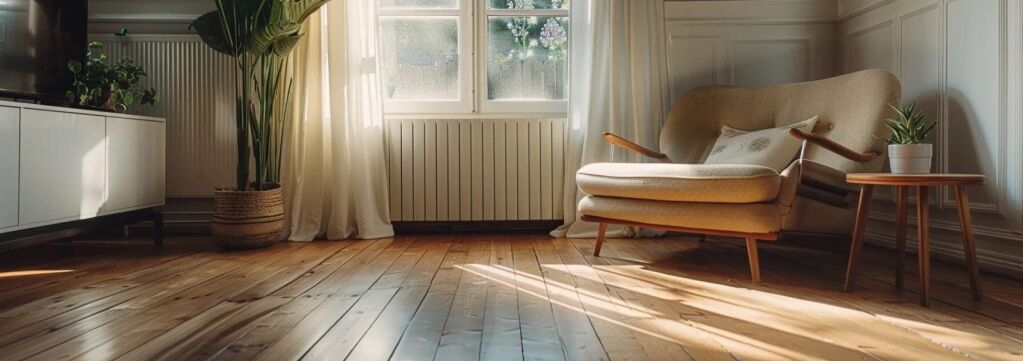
(833, 146)
(624, 143)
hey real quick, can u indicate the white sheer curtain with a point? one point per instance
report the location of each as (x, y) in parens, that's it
(617, 85)
(334, 184)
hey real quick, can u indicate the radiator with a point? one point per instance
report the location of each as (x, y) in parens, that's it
(196, 91)
(475, 169)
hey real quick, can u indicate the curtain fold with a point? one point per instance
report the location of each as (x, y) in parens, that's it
(334, 184)
(617, 84)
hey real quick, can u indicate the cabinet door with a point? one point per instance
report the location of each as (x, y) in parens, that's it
(9, 134)
(63, 166)
(135, 158)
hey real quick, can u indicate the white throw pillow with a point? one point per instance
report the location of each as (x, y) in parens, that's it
(773, 148)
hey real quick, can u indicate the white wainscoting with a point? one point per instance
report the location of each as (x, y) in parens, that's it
(476, 169)
(748, 42)
(959, 60)
(196, 91)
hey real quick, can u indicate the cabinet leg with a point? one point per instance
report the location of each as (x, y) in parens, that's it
(969, 246)
(857, 238)
(924, 253)
(901, 205)
(158, 227)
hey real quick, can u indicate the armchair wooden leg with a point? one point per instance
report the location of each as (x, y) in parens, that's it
(754, 259)
(602, 229)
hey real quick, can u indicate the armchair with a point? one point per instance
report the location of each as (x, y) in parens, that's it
(754, 203)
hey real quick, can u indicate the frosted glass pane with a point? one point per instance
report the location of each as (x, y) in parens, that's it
(527, 58)
(419, 57)
(529, 4)
(419, 4)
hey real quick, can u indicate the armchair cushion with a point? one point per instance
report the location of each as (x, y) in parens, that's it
(747, 218)
(724, 183)
(773, 147)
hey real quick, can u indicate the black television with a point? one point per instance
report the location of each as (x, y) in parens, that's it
(37, 39)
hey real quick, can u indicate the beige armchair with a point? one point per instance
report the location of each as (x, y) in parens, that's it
(746, 201)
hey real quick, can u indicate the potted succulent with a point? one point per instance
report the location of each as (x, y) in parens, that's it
(260, 35)
(906, 148)
(100, 84)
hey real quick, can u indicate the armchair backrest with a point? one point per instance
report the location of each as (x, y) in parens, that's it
(856, 104)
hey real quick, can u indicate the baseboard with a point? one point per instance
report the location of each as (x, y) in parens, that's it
(489, 227)
(990, 262)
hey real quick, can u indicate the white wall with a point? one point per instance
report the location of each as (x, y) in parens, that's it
(748, 42)
(145, 16)
(958, 60)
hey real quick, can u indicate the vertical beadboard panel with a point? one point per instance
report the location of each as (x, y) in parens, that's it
(476, 139)
(476, 169)
(535, 181)
(454, 172)
(196, 88)
(465, 169)
(500, 172)
(511, 157)
(408, 175)
(430, 189)
(523, 167)
(488, 171)
(393, 138)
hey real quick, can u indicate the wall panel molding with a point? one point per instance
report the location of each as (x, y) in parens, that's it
(751, 11)
(970, 81)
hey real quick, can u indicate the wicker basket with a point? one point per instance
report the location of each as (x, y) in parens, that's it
(247, 219)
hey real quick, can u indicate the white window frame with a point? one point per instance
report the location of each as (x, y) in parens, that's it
(511, 106)
(473, 91)
(464, 103)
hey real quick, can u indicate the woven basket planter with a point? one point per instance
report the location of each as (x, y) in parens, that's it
(247, 219)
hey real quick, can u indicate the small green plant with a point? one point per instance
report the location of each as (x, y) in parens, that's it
(910, 126)
(112, 86)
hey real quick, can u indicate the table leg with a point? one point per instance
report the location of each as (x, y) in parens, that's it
(924, 253)
(969, 247)
(901, 213)
(862, 209)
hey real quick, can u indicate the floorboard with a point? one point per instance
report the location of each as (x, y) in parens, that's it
(488, 297)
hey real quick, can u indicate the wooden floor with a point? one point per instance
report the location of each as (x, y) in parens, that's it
(486, 297)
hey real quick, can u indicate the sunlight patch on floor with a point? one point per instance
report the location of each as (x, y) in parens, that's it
(14, 274)
(753, 322)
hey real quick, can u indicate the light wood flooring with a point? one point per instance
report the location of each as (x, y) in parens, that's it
(496, 297)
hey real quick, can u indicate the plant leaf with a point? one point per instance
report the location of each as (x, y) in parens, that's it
(210, 30)
(285, 20)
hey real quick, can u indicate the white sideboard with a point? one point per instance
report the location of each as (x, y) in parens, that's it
(62, 165)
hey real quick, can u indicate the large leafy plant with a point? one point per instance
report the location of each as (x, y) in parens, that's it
(105, 85)
(260, 35)
(910, 126)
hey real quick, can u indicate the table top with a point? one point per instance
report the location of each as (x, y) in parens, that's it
(914, 179)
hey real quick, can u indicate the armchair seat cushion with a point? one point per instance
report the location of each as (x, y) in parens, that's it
(744, 218)
(706, 183)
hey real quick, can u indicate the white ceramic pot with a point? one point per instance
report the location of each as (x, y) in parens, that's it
(910, 158)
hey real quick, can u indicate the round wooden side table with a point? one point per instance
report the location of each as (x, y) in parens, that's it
(921, 183)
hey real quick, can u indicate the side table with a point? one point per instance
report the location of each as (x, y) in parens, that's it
(921, 184)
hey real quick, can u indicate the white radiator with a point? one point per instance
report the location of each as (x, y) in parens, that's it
(196, 97)
(476, 169)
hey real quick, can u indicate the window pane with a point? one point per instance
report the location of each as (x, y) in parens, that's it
(527, 58)
(529, 4)
(419, 57)
(419, 4)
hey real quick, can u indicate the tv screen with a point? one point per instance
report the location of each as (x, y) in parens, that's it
(37, 39)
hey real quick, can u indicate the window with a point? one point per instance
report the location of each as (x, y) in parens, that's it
(462, 56)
